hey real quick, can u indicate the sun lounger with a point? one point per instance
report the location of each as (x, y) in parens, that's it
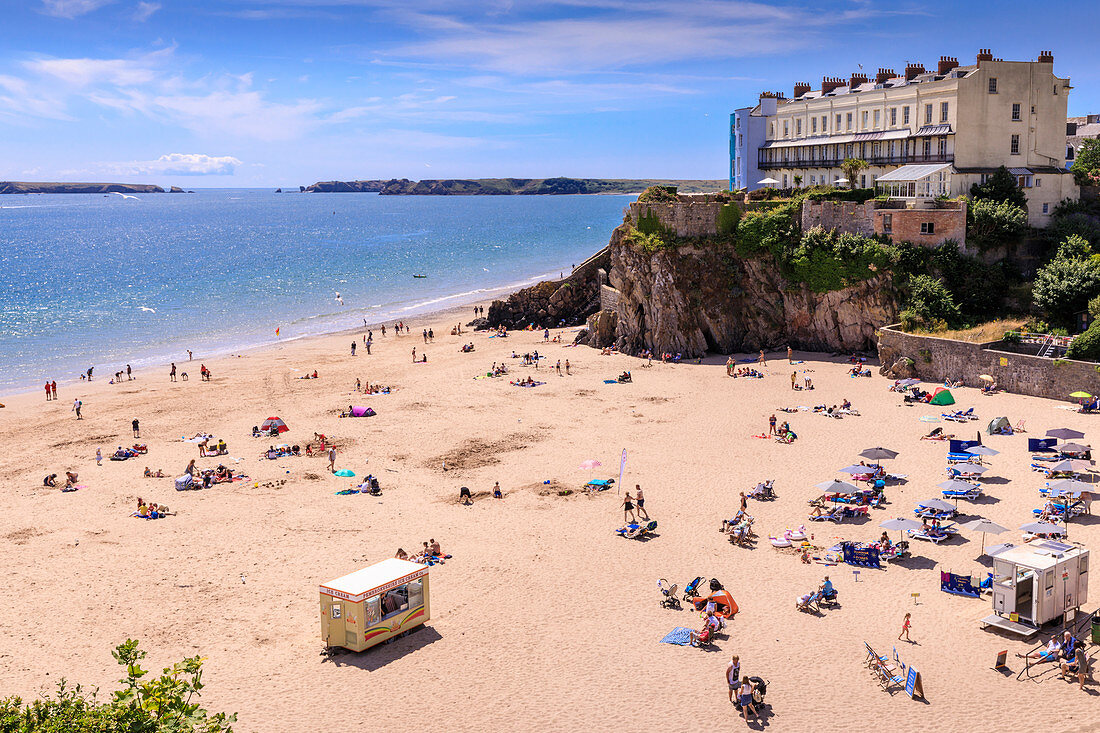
(926, 513)
(935, 536)
(970, 494)
(600, 484)
(962, 458)
(634, 531)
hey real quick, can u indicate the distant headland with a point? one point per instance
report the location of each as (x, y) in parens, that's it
(28, 187)
(510, 186)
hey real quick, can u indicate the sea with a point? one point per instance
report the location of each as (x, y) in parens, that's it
(89, 280)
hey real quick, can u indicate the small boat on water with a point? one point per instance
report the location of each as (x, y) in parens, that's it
(419, 276)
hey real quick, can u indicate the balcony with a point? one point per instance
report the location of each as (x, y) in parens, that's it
(898, 159)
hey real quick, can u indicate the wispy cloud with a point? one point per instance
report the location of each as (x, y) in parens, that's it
(144, 11)
(175, 164)
(72, 8)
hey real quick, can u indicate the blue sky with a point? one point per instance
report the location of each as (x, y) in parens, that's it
(286, 92)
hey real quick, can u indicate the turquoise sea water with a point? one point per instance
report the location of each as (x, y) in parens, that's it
(90, 280)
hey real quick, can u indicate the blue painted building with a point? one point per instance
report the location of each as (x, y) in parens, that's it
(747, 135)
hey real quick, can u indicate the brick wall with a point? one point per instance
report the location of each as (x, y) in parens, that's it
(938, 359)
(906, 225)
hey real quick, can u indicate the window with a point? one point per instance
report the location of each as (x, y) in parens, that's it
(798, 127)
(784, 180)
(395, 601)
(905, 115)
(1046, 208)
(863, 181)
(992, 85)
(1033, 109)
(849, 120)
(943, 111)
(1015, 147)
(864, 120)
(893, 117)
(813, 180)
(927, 147)
(813, 125)
(1016, 112)
(928, 114)
(786, 129)
(837, 128)
(1056, 90)
(824, 122)
(876, 117)
(1069, 152)
(928, 227)
(1038, 182)
(887, 223)
(771, 130)
(943, 146)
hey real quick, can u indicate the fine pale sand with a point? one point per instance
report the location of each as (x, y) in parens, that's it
(544, 619)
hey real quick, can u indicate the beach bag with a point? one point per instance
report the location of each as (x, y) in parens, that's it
(183, 483)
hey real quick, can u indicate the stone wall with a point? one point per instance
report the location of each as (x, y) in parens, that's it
(938, 359)
(684, 218)
(844, 216)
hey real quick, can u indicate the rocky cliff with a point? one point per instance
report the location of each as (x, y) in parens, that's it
(344, 187)
(551, 302)
(507, 186)
(25, 187)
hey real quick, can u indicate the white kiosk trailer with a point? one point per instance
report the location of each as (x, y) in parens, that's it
(1036, 583)
(374, 604)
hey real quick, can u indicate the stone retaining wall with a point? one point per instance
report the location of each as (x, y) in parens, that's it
(939, 359)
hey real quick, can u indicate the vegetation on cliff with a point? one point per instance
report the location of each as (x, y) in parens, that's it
(26, 187)
(512, 186)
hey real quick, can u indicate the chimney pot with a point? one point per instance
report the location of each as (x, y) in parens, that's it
(946, 64)
(912, 71)
(829, 83)
(801, 88)
(857, 79)
(883, 75)
(984, 54)
(1046, 57)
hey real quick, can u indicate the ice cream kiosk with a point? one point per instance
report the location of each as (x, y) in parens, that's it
(374, 604)
(1036, 583)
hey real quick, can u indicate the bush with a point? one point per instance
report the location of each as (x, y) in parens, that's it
(991, 223)
(930, 303)
(1086, 165)
(825, 260)
(828, 193)
(1001, 186)
(728, 217)
(977, 288)
(650, 223)
(774, 231)
(658, 194)
(1086, 347)
(649, 243)
(1066, 285)
(161, 705)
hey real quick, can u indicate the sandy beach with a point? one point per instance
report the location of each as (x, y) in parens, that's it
(544, 619)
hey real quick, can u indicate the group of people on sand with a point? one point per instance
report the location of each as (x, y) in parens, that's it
(150, 510)
(431, 553)
(467, 498)
(1069, 653)
(467, 348)
(312, 375)
(372, 388)
(69, 485)
(530, 358)
(630, 503)
(220, 448)
(733, 371)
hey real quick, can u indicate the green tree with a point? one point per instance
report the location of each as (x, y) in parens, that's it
(990, 223)
(1086, 166)
(929, 305)
(1086, 347)
(1066, 284)
(1000, 186)
(851, 168)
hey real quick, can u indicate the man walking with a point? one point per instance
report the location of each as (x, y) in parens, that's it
(172, 372)
(47, 392)
(640, 500)
(332, 459)
(137, 429)
(733, 675)
(77, 404)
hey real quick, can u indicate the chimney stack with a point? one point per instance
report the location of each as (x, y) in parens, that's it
(946, 64)
(856, 80)
(912, 71)
(1046, 57)
(800, 88)
(829, 83)
(984, 54)
(884, 75)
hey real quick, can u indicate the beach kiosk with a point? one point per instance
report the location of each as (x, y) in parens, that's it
(374, 604)
(1036, 583)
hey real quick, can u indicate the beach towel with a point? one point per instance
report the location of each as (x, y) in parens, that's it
(347, 492)
(680, 635)
(610, 381)
(929, 418)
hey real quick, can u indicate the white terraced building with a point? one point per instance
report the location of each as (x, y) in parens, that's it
(922, 133)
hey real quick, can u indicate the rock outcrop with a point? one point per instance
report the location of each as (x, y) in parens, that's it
(551, 303)
(25, 187)
(344, 187)
(506, 186)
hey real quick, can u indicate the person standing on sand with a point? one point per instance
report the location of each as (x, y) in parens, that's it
(77, 404)
(733, 675)
(368, 347)
(763, 361)
(189, 355)
(353, 348)
(137, 429)
(98, 457)
(628, 508)
(129, 374)
(383, 330)
(905, 626)
(771, 424)
(746, 699)
(425, 335)
(794, 379)
(567, 366)
(640, 498)
(790, 356)
(172, 373)
(332, 459)
(47, 392)
(53, 388)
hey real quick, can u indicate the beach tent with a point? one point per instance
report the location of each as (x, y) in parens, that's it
(997, 424)
(942, 396)
(274, 422)
(362, 412)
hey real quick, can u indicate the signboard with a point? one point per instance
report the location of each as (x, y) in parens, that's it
(913, 684)
(1002, 657)
(1004, 361)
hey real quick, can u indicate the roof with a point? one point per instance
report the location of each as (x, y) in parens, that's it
(373, 580)
(1019, 171)
(1035, 169)
(913, 172)
(933, 130)
(1041, 554)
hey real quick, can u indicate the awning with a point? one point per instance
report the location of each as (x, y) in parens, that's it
(1020, 172)
(912, 172)
(933, 130)
(819, 140)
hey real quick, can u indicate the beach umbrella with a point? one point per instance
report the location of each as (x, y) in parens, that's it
(836, 486)
(1070, 484)
(985, 377)
(970, 468)
(590, 464)
(995, 550)
(345, 472)
(1042, 528)
(767, 182)
(901, 524)
(1064, 493)
(877, 454)
(984, 526)
(981, 450)
(840, 181)
(1073, 464)
(1081, 395)
(937, 504)
(1073, 448)
(856, 469)
(1065, 434)
(956, 485)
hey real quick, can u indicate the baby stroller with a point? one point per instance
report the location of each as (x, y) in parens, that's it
(668, 593)
(692, 589)
(759, 690)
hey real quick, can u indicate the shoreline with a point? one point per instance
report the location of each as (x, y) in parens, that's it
(431, 313)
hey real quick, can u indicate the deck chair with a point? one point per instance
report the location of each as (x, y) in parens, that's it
(971, 494)
(810, 603)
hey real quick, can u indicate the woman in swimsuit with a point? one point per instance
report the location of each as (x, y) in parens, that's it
(628, 508)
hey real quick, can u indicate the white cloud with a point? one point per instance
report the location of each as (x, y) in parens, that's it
(177, 164)
(144, 11)
(72, 8)
(85, 72)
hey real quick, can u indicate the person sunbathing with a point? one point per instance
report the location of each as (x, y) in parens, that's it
(1049, 654)
(820, 511)
(701, 637)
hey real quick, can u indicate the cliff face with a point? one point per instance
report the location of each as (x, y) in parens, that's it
(344, 187)
(25, 187)
(505, 186)
(550, 302)
(696, 299)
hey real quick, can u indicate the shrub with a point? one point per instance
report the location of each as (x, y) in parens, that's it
(1086, 347)
(1065, 286)
(774, 230)
(825, 260)
(1086, 164)
(658, 194)
(999, 187)
(991, 223)
(728, 217)
(650, 223)
(647, 242)
(930, 303)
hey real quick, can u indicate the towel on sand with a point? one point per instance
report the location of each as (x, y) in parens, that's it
(680, 635)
